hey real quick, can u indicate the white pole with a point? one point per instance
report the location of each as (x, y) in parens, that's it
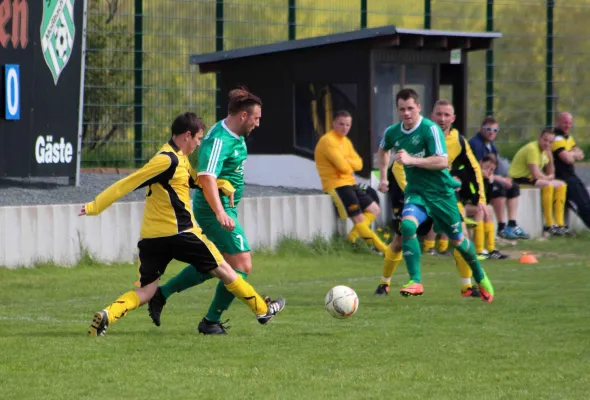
(81, 104)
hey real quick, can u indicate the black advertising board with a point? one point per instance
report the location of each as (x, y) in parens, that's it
(41, 72)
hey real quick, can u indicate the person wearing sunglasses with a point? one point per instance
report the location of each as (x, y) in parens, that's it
(505, 192)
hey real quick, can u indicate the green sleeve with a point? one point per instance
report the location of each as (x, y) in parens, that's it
(212, 154)
(435, 141)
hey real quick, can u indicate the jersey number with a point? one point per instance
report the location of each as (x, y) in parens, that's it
(241, 239)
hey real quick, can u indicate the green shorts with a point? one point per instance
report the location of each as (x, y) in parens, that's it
(443, 211)
(233, 242)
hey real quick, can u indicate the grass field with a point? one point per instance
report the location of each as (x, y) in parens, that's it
(532, 342)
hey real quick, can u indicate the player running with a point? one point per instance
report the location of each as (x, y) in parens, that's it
(420, 147)
(220, 167)
(168, 229)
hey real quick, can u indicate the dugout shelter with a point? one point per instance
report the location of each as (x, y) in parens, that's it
(303, 82)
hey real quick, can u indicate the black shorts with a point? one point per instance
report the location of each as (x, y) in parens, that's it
(498, 190)
(525, 181)
(156, 253)
(396, 196)
(351, 201)
(465, 194)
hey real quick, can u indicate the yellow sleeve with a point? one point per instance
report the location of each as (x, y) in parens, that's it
(531, 157)
(400, 175)
(559, 143)
(355, 161)
(224, 185)
(477, 171)
(335, 157)
(146, 175)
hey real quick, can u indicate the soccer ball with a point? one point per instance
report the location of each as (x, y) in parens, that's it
(341, 302)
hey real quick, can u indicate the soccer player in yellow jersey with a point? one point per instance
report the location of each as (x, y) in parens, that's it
(533, 165)
(336, 162)
(169, 231)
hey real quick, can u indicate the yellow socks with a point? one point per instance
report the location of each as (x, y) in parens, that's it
(371, 237)
(464, 270)
(369, 218)
(390, 262)
(559, 204)
(478, 237)
(547, 202)
(127, 302)
(428, 245)
(443, 245)
(353, 235)
(490, 236)
(245, 292)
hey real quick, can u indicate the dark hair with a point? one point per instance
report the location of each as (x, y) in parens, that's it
(241, 99)
(187, 121)
(491, 157)
(547, 130)
(490, 119)
(407, 94)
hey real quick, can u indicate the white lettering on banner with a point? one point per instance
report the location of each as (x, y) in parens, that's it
(47, 152)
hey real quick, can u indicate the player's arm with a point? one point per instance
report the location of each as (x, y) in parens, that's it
(334, 156)
(383, 154)
(149, 174)
(568, 157)
(435, 145)
(400, 175)
(476, 170)
(354, 160)
(533, 166)
(550, 166)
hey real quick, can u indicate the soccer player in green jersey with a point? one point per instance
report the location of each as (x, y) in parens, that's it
(221, 159)
(430, 191)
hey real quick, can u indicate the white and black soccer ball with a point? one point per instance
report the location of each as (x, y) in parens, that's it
(341, 302)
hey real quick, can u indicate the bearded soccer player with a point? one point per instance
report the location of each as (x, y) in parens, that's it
(220, 171)
(168, 229)
(420, 147)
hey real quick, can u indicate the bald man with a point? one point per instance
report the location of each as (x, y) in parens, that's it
(565, 154)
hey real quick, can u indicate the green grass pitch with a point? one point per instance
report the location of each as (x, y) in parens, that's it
(532, 342)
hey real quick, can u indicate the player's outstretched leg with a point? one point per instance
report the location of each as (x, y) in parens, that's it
(467, 250)
(112, 313)
(235, 284)
(411, 253)
(185, 279)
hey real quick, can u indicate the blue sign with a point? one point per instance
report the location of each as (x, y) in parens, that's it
(12, 85)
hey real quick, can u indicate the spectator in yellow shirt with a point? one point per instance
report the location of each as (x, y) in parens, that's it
(533, 165)
(337, 161)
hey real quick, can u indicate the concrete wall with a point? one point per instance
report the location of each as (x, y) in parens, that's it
(31, 234)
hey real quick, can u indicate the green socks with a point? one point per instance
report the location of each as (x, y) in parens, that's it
(412, 252)
(222, 300)
(467, 250)
(185, 279)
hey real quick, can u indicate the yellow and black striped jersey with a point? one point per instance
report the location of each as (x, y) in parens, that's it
(462, 163)
(167, 177)
(563, 142)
